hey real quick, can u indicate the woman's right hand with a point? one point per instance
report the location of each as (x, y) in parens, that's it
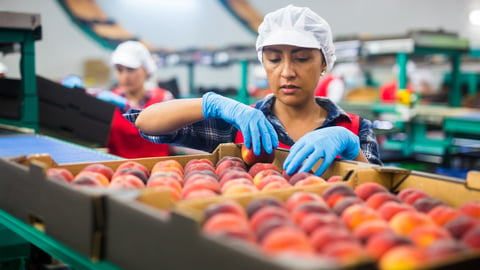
(257, 131)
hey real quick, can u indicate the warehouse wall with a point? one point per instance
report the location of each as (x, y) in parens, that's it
(183, 24)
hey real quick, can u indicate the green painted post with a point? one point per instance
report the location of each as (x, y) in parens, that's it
(30, 109)
(455, 94)
(402, 59)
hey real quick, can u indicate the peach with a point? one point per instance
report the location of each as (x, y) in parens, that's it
(234, 182)
(258, 203)
(198, 160)
(378, 199)
(391, 208)
(344, 203)
(346, 252)
(272, 179)
(425, 235)
(134, 164)
(310, 180)
(191, 176)
(250, 158)
(233, 174)
(167, 165)
(324, 236)
(174, 193)
(205, 183)
(199, 167)
(260, 175)
(265, 213)
(126, 181)
(275, 185)
(229, 161)
(369, 228)
(334, 179)
(334, 193)
(405, 222)
(410, 195)
(158, 180)
(445, 249)
(164, 175)
(61, 174)
(131, 170)
(100, 168)
(100, 177)
(443, 214)
(229, 169)
(266, 227)
(357, 214)
(316, 220)
(426, 204)
(296, 176)
(365, 190)
(380, 243)
(300, 197)
(306, 208)
(458, 226)
(239, 189)
(471, 209)
(286, 239)
(258, 167)
(471, 238)
(87, 179)
(227, 206)
(223, 223)
(403, 257)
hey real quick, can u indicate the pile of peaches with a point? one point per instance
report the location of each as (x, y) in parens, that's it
(346, 226)
(199, 178)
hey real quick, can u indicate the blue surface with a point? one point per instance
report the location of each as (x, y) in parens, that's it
(60, 151)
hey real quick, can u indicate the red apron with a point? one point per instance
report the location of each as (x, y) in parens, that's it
(125, 140)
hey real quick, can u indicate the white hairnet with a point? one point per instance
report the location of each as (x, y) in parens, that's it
(296, 26)
(3, 68)
(133, 54)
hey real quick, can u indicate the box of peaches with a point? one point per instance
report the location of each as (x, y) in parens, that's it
(233, 210)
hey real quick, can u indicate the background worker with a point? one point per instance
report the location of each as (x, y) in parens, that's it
(133, 65)
(295, 48)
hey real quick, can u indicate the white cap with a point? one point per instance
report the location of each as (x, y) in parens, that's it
(296, 26)
(3, 68)
(133, 54)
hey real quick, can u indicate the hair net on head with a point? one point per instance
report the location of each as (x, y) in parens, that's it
(296, 26)
(133, 54)
(3, 68)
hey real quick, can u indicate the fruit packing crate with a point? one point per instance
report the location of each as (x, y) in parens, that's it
(150, 227)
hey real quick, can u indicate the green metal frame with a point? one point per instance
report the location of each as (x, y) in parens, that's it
(29, 100)
(51, 246)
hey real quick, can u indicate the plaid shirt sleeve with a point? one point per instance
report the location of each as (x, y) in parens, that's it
(368, 142)
(204, 135)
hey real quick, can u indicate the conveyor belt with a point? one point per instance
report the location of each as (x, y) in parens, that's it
(60, 151)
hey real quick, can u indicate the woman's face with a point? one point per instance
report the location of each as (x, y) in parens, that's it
(131, 79)
(293, 72)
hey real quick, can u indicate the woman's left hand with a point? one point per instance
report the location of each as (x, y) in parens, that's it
(326, 143)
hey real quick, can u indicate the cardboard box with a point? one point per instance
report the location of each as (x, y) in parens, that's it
(141, 224)
(145, 229)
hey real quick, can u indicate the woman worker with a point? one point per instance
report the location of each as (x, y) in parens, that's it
(295, 47)
(133, 66)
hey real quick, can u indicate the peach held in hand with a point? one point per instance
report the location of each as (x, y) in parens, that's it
(250, 158)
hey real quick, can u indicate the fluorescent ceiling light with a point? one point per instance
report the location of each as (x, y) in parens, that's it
(475, 17)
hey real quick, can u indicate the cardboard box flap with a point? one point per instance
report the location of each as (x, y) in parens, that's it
(473, 180)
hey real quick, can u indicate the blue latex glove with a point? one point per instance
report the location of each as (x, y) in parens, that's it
(257, 131)
(117, 100)
(326, 143)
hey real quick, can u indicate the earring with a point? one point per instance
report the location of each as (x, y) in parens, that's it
(323, 73)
